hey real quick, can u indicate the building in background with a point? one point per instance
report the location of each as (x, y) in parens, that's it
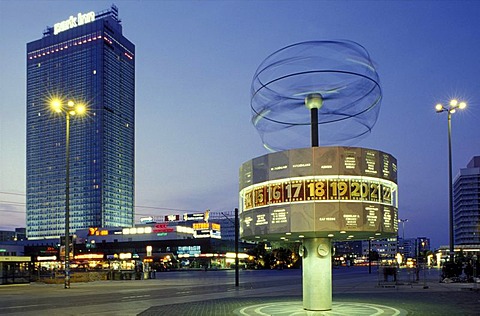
(385, 248)
(414, 248)
(84, 59)
(226, 220)
(8, 235)
(466, 200)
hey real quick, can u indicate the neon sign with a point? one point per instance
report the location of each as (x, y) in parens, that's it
(200, 226)
(94, 231)
(73, 22)
(162, 228)
(172, 218)
(89, 256)
(46, 258)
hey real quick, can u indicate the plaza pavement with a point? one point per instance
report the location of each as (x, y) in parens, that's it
(355, 292)
(362, 294)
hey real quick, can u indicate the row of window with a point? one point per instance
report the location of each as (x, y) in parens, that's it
(76, 42)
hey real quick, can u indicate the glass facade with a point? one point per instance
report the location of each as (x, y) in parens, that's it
(466, 210)
(95, 65)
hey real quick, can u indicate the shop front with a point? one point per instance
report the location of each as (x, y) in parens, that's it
(14, 269)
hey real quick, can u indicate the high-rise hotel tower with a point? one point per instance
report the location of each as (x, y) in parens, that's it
(466, 192)
(84, 59)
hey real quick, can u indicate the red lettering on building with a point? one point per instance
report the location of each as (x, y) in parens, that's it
(162, 228)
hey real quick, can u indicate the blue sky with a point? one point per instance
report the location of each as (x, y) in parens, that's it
(194, 65)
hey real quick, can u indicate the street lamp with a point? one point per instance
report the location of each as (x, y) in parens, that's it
(450, 109)
(403, 221)
(70, 109)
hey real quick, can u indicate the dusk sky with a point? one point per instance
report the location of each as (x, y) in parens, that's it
(194, 66)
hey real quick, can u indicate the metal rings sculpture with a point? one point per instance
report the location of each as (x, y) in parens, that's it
(338, 74)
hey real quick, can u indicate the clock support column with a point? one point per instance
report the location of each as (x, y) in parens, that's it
(317, 274)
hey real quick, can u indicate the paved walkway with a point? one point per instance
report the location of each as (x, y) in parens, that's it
(359, 295)
(261, 292)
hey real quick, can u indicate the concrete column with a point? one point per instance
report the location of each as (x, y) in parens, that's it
(317, 274)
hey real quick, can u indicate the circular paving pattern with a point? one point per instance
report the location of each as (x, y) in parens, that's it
(295, 308)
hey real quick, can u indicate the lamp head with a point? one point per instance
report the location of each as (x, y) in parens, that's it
(439, 108)
(313, 101)
(56, 105)
(453, 103)
(71, 107)
(80, 109)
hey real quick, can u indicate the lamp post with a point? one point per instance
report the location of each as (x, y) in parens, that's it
(314, 102)
(237, 237)
(403, 221)
(70, 109)
(236, 224)
(450, 109)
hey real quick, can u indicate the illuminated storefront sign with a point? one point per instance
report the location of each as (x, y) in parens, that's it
(206, 230)
(185, 230)
(89, 256)
(94, 231)
(46, 258)
(197, 216)
(137, 230)
(172, 218)
(49, 250)
(198, 226)
(73, 22)
(193, 217)
(213, 226)
(162, 228)
(187, 251)
(123, 256)
(148, 219)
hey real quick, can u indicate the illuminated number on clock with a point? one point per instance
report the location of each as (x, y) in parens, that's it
(311, 188)
(275, 193)
(320, 189)
(294, 190)
(259, 196)
(355, 193)
(365, 191)
(248, 200)
(374, 191)
(387, 194)
(333, 192)
(343, 190)
(316, 190)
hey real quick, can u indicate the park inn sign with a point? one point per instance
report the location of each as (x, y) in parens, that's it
(73, 21)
